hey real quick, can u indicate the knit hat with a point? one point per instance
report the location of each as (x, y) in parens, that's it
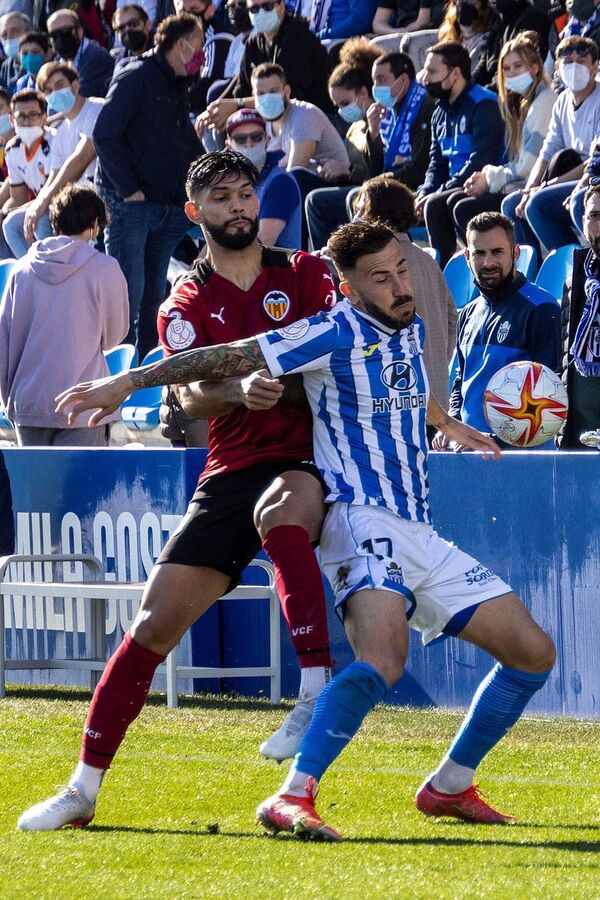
(244, 117)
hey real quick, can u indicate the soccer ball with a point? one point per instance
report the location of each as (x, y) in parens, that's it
(525, 404)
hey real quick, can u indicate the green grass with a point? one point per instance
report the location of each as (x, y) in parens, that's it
(184, 774)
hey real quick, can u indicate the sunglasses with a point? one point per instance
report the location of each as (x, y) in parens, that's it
(266, 6)
(254, 137)
(132, 23)
(580, 49)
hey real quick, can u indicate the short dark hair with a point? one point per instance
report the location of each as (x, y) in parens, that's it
(576, 39)
(399, 63)
(486, 221)
(36, 37)
(27, 96)
(75, 208)
(267, 70)
(591, 192)
(139, 10)
(387, 200)
(454, 55)
(214, 167)
(52, 68)
(171, 29)
(357, 239)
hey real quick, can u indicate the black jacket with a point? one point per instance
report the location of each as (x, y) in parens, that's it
(521, 16)
(143, 136)
(95, 70)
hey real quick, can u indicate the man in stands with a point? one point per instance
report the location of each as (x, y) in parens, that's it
(218, 38)
(258, 484)
(132, 25)
(34, 51)
(13, 26)
(343, 19)
(280, 210)
(511, 319)
(93, 63)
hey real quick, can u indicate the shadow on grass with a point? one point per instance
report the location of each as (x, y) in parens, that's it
(572, 846)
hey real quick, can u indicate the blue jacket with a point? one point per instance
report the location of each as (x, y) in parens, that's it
(465, 136)
(95, 68)
(348, 18)
(522, 324)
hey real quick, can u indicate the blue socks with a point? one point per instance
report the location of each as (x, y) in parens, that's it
(338, 714)
(498, 703)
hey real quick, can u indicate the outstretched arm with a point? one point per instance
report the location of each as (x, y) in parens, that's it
(204, 364)
(457, 431)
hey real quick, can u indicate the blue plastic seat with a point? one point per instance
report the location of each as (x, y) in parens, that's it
(5, 270)
(459, 279)
(121, 358)
(140, 411)
(526, 263)
(556, 268)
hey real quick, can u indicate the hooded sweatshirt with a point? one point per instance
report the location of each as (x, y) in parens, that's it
(64, 303)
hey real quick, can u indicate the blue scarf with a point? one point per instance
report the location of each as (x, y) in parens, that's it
(396, 128)
(585, 349)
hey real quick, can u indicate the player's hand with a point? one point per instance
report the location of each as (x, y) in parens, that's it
(476, 185)
(104, 395)
(259, 390)
(520, 207)
(440, 442)
(375, 114)
(466, 438)
(33, 213)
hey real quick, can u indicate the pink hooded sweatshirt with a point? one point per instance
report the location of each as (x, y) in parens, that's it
(64, 303)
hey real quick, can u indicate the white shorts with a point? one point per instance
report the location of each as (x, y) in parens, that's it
(369, 547)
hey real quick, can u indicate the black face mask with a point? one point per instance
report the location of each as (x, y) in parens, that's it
(65, 43)
(133, 39)
(435, 90)
(467, 15)
(239, 18)
(505, 7)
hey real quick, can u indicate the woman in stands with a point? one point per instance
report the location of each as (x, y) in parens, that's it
(526, 102)
(468, 22)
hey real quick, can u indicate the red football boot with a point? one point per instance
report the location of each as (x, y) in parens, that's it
(468, 805)
(297, 815)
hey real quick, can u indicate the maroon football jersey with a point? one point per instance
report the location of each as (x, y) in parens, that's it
(206, 309)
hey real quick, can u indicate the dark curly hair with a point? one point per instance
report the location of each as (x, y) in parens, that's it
(216, 166)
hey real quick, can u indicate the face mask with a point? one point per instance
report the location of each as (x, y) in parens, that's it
(239, 18)
(66, 44)
(5, 125)
(257, 154)
(32, 62)
(29, 133)
(264, 21)
(467, 15)
(193, 65)
(520, 84)
(270, 106)
(61, 101)
(11, 47)
(351, 112)
(435, 90)
(581, 9)
(383, 94)
(133, 39)
(574, 75)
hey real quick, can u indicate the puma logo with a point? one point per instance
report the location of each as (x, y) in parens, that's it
(219, 315)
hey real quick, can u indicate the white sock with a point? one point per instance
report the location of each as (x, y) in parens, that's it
(451, 778)
(296, 783)
(87, 780)
(312, 682)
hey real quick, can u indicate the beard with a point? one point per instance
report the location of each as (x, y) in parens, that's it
(394, 322)
(595, 245)
(494, 283)
(233, 240)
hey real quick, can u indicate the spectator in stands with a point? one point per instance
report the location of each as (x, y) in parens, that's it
(384, 198)
(580, 367)
(93, 63)
(469, 22)
(511, 319)
(27, 160)
(218, 37)
(584, 19)
(516, 16)
(276, 36)
(280, 210)
(393, 16)
(13, 26)
(334, 19)
(72, 154)
(64, 304)
(7, 522)
(145, 144)
(466, 134)
(133, 27)
(34, 51)
(542, 205)
(6, 133)
(591, 175)
(526, 102)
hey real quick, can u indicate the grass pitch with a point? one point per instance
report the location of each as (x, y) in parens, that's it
(176, 815)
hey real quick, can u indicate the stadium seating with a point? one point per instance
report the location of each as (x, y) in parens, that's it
(526, 262)
(121, 358)
(140, 410)
(459, 279)
(556, 268)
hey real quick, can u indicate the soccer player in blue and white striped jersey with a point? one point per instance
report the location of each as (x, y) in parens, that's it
(368, 391)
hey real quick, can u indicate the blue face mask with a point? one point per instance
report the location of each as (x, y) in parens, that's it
(32, 62)
(11, 47)
(264, 21)
(351, 112)
(61, 101)
(5, 125)
(383, 94)
(270, 106)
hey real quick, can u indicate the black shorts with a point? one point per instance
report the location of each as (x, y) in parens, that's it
(218, 529)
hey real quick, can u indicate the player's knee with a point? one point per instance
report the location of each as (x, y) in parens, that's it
(390, 665)
(541, 654)
(152, 635)
(288, 511)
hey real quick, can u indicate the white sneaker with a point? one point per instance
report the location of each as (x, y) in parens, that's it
(285, 743)
(68, 807)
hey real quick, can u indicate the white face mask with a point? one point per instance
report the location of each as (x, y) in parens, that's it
(574, 75)
(29, 133)
(520, 84)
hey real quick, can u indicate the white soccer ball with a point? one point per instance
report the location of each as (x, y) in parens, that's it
(525, 404)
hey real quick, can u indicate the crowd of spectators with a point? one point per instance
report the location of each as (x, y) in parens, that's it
(428, 115)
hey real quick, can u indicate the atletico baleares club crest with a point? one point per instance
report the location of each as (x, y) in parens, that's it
(276, 305)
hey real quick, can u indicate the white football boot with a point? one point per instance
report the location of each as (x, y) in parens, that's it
(68, 807)
(285, 743)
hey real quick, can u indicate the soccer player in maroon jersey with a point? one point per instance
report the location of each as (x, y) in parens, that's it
(259, 485)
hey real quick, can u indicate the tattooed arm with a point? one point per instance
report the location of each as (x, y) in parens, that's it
(204, 364)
